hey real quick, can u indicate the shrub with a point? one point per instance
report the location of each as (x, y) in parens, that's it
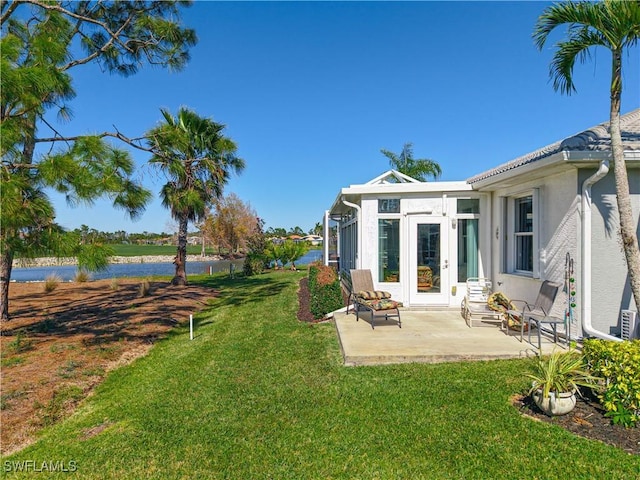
(254, 264)
(82, 276)
(20, 344)
(51, 282)
(145, 288)
(325, 291)
(618, 365)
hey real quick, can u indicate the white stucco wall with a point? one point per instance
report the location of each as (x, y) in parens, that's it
(558, 230)
(611, 291)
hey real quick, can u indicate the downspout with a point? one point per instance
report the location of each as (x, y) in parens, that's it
(358, 231)
(587, 327)
(325, 238)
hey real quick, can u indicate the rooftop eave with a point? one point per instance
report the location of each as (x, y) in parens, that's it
(560, 161)
(512, 175)
(354, 193)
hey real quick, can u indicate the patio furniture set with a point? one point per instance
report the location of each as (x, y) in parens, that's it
(480, 303)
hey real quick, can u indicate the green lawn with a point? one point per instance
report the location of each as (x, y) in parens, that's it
(130, 250)
(259, 395)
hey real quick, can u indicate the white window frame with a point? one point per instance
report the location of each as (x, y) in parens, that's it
(511, 237)
(389, 216)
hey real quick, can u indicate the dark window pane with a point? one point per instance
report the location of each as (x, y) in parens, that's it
(524, 253)
(468, 205)
(524, 214)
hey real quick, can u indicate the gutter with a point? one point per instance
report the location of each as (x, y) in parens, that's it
(587, 327)
(359, 231)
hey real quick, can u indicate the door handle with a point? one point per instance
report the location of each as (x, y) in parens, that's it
(446, 264)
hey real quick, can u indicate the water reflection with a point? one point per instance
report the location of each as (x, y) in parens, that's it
(35, 274)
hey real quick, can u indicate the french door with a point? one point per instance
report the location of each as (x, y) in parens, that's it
(428, 260)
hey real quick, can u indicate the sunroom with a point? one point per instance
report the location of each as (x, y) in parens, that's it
(420, 240)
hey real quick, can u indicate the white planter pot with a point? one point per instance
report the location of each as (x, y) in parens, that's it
(555, 404)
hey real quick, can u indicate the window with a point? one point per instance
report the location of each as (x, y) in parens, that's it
(520, 234)
(389, 205)
(468, 212)
(389, 250)
(467, 248)
(468, 205)
(523, 234)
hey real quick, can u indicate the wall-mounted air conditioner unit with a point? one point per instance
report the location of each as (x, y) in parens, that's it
(629, 325)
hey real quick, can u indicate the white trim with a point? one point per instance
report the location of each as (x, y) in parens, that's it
(587, 327)
(358, 220)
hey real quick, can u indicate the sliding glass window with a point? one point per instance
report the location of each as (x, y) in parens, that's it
(467, 248)
(389, 250)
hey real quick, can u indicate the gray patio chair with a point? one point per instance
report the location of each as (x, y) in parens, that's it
(538, 313)
(363, 296)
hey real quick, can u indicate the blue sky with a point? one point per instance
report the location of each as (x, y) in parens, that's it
(311, 91)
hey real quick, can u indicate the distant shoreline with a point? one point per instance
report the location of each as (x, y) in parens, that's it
(70, 261)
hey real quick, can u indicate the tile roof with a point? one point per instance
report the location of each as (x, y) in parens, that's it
(595, 139)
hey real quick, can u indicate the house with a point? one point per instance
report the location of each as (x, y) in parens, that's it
(312, 239)
(548, 215)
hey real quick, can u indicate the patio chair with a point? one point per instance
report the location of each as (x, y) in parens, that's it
(539, 313)
(475, 302)
(363, 296)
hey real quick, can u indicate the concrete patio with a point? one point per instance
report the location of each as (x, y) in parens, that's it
(430, 337)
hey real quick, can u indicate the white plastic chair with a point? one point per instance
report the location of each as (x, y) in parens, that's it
(474, 304)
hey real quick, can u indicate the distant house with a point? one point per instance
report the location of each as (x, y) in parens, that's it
(312, 239)
(194, 240)
(550, 214)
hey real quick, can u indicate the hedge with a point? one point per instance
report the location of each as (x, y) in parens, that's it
(618, 365)
(324, 289)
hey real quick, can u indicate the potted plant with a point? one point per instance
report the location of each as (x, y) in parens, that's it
(555, 381)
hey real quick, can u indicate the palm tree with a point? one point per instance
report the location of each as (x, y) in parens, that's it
(614, 25)
(420, 168)
(197, 161)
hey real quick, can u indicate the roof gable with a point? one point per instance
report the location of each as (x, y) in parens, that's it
(392, 176)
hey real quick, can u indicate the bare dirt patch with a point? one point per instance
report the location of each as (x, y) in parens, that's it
(59, 345)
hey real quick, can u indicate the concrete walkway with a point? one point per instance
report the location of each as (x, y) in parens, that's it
(429, 337)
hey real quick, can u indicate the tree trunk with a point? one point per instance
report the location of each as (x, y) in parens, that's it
(180, 261)
(7, 253)
(6, 263)
(625, 212)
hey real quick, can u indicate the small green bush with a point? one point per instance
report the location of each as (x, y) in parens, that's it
(20, 344)
(618, 365)
(254, 264)
(324, 289)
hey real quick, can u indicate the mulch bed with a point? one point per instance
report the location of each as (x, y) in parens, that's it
(586, 420)
(59, 345)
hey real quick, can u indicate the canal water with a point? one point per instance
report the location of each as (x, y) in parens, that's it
(66, 273)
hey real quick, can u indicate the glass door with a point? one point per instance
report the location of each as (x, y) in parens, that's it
(429, 262)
